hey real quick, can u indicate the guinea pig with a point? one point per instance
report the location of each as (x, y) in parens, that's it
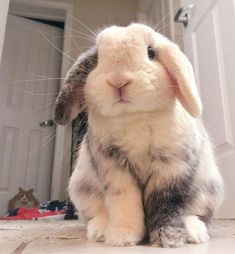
(146, 166)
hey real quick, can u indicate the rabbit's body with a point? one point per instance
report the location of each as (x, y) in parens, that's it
(145, 165)
(151, 154)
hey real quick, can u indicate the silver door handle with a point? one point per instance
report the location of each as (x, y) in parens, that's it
(47, 123)
(182, 14)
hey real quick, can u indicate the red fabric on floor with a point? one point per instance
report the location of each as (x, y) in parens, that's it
(30, 214)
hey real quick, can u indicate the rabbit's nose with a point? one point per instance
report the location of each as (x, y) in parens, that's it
(119, 81)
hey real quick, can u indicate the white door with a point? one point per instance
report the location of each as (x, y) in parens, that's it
(209, 41)
(26, 149)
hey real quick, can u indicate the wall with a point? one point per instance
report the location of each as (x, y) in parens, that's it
(160, 15)
(99, 14)
(95, 14)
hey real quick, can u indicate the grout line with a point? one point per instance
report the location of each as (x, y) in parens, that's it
(21, 247)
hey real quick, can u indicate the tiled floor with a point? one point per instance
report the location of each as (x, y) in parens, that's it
(68, 237)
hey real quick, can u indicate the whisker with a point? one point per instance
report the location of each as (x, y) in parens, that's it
(39, 94)
(35, 149)
(75, 36)
(69, 153)
(163, 27)
(53, 101)
(168, 14)
(53, 45)
(76, 44)
(84, 34)
(45, 105)
(162, 20)
(79, 21)
(82, 37)
(76, 136)
(32, 80)
(38, 75)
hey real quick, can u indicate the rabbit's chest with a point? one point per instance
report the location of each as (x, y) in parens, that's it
(151, 147)
(150, 154)
(156, 161)
(147, 143)
(155, 153)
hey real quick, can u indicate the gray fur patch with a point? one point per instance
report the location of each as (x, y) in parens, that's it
(173, 235)
(87, 188)
(164, 207)
(212, 191)
(187, 154)
(208, 214)
(71, 100)
(93, 161)
(163, 204)
(158, 154)
(119, 157)
(78, 73)
(212, 188)
(163, 159)
(190, 155)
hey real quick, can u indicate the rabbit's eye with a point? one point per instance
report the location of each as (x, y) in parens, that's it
(151, 53)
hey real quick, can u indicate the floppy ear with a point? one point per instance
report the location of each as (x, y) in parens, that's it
(70, 100)
(181, 73)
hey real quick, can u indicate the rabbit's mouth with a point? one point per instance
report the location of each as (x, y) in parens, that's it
(122, 101)
(121, 95)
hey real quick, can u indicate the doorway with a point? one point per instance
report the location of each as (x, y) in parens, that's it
(29, 82)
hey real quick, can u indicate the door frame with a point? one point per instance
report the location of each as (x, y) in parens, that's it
(4, 5)
(59, 11)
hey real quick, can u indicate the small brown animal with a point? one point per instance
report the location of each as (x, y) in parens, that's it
(23, 199)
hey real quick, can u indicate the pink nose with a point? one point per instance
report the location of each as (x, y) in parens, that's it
(119, 81)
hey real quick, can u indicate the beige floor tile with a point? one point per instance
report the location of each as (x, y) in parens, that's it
(38, 237)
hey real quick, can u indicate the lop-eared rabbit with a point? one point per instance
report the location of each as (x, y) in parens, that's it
(146, 165)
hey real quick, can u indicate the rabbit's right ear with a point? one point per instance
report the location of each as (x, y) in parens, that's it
(70, 100)
(181, 73)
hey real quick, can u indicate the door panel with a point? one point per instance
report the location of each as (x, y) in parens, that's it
(209, 43)
(26, 149)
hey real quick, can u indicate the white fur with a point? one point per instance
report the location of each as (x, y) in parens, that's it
(88, 206)
(197, 231)
(96, 228)
(124, 204)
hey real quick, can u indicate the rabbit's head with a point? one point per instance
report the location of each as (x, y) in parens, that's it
(130, 69)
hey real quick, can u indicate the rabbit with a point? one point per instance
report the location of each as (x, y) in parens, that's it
(145, 166)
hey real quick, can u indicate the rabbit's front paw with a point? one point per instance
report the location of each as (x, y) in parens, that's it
(96, 228)
(122, 236)
(169, 236)
(197, 230)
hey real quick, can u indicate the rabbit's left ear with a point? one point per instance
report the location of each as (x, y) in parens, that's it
(70, 101)
(181, 73)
